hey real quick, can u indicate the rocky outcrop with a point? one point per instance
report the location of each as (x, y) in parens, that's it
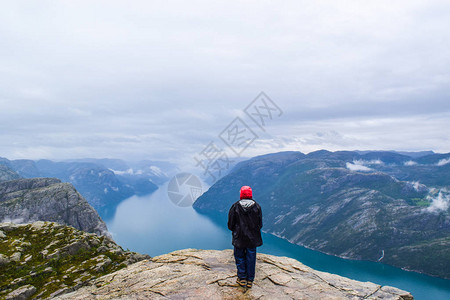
(211, 274)
(46, 259)
(47, 199)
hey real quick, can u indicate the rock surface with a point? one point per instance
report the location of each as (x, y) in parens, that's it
(211, 274)
(46, 259)
(23, 292)
(47, 199)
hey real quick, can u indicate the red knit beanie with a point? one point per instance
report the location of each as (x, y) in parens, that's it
(246, 192)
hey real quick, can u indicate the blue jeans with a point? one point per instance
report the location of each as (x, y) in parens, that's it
(245, 262)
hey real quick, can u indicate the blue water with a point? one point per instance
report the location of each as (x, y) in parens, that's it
(155, 226)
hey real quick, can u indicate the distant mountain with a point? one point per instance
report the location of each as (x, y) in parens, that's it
(47, 199)
(157, 172)
(103, 182)
(416, 154)
(412, 154)
(100, 186)
(7, 174)
(26, 168)
(350, 204)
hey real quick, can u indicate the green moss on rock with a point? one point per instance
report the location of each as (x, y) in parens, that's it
(49, 259)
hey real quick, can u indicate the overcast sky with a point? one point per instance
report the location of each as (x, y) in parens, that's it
(162, 79)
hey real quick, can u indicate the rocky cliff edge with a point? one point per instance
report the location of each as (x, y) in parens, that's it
(211, 274)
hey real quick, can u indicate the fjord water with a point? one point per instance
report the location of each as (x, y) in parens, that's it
(154, 225)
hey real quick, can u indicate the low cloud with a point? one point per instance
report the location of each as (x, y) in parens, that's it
(409, 163)
(361, 165)
(356, 167)
(130, 171)
(368, 162)
(443, 162)
(418, 186)
(439, 202)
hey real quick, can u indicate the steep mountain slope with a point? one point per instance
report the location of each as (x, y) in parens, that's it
(47, 199)
(339, 203)
(46, 259)
(25, 167)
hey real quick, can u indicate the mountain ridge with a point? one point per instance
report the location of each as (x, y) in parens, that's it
(322, 201)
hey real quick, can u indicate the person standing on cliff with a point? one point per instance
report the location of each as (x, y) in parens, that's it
(245, 221)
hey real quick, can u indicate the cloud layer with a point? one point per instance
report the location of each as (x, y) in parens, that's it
(162, 79)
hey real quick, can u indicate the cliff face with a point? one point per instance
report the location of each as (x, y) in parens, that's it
(47, 199)
(45, 259)
(211, 274)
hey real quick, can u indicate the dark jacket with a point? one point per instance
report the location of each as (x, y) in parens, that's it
(245, 220)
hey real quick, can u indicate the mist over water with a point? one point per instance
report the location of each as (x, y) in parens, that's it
(154, 225)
